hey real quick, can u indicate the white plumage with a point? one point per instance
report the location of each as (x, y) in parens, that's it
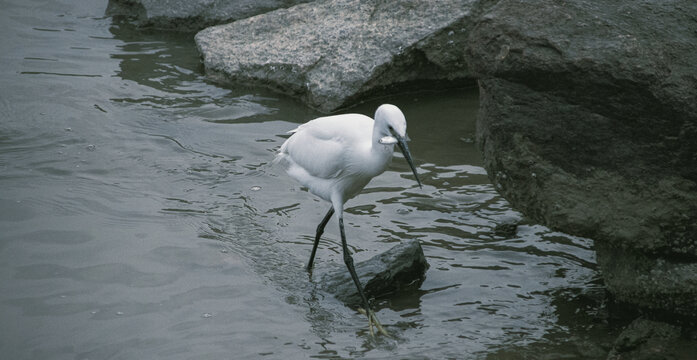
(335, 157)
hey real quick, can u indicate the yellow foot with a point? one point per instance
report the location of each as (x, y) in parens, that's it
(373, 321)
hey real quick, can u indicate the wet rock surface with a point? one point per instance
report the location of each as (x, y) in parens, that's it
(588, 121)
(401, 267)
(329, 54)
(192, 15)
(644, 339)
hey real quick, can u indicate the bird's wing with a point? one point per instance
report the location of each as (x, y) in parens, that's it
(321, 145)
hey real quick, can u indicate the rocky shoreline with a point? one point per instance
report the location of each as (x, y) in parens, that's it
(330, 54)
(588, 124)
(588, 112)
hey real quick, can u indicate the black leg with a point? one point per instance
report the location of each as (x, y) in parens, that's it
(320, 231)
(349, 263)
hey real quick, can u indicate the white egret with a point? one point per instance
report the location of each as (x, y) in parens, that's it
(335, 157)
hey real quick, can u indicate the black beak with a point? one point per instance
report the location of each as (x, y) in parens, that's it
(402, 142)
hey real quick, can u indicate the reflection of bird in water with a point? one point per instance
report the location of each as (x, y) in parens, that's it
(335, 157)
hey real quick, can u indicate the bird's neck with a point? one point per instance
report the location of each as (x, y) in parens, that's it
(377, 134)
(378, 147)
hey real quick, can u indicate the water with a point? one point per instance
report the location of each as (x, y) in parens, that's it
(140, 217)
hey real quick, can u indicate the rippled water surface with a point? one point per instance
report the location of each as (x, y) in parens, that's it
(140, 217)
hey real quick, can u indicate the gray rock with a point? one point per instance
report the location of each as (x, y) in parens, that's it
(331, 53)
(192, 15)
(403, 266)
(588, 123)
(652, 340)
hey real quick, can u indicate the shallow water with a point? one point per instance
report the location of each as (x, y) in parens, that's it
(140, 217)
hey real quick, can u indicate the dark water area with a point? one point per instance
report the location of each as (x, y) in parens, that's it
(141, 217)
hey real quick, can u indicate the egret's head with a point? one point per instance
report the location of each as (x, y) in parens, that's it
(390, 122)
(391, 128)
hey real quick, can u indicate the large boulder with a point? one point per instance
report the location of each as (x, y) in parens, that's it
(331, 53)
(588, 123)
(192, 15)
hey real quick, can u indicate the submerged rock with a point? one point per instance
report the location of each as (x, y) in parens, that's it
(401, 267)
(645, 339)
(192, 15)
(331, 53)
(588, 123)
